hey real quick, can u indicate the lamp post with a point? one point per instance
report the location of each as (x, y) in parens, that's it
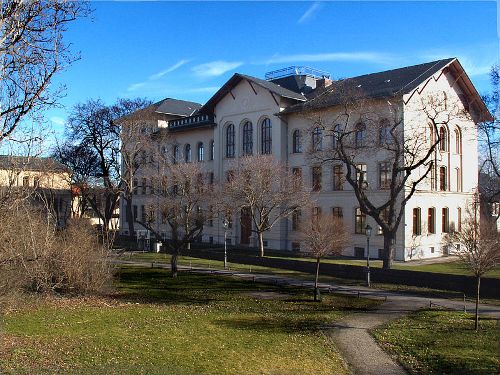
(368, 231)
(225, 224)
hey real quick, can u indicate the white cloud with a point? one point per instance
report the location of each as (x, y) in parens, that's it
(215, 68)
(136, 86)
(309, 13)
(170, 69)
(371, 57)
(57, 120)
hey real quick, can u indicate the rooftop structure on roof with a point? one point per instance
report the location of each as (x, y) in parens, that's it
(296, 71)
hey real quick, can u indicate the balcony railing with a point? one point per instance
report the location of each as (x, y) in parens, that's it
(191, 122)
(297, 70)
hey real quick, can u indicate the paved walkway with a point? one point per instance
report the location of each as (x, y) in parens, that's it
(351, 335)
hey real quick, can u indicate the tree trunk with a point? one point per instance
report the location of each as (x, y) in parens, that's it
(388, 250)
(261, 244)
(130, 218)
(316, 290)
(173, 263)
(476, 323)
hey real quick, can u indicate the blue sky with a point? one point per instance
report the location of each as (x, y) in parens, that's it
(187, 50)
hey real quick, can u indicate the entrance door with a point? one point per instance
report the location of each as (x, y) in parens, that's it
(246, 226)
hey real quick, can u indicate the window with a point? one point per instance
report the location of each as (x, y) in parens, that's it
(230, 145)
(338, 177)
(359, 221)
(317, 139)
(187, 153)
(316, 212)
(459, 219)
(266, 137)
(296, 220)
(431, 220)
(384, 134)
(459, 179)
(134, 210)
(211, 178)
(177, 154)
(134, 186)
(247, 138)
(495, 209)
(143, 214)
(385, 175)
(336, 136)
(316, 178)
(445, 223)
(443, 181)
(458, 141)
(337, 212)
(36, 182)
(417, 221)
(26, 181)
(201, 152)
(443, 139)
(144, 186)
(359, 135)
(212, 150)
(361, 175)
(385, 217)
(432, 174)
(297, 141)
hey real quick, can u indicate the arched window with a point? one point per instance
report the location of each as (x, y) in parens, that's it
(359, 135)
(230, 141)
(458, 141)
(432, 138)
(297, 141)
(201, 152)
(247, 138)
(443, 139)
(384, 134)
(266, 137)
(177, 154)
(212, 149)
(417, 221)
(317, 139)
(336, 136)
(443, 179)
(187, 153)
(459, 178)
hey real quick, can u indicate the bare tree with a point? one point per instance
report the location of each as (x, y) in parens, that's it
(323, 235)
(362, 129)
(478, 247)
(32, 52)
(266, 190)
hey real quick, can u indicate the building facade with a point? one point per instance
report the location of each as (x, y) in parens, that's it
(277, 116)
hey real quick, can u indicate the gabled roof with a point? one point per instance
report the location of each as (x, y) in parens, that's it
(237, 78)
(389, 83)
(170, 106)
(35, 164)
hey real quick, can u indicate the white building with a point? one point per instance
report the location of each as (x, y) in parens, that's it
(248, 115)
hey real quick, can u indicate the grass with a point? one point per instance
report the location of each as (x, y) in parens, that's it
(443, 342)
(195, 324)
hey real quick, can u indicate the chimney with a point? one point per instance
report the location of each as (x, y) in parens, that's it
(323, 82)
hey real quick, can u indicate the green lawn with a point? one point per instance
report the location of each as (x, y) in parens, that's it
(443, 342)
(195, 324)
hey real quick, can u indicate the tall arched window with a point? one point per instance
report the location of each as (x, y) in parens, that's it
(230, 141)
(443, 139)
(359, 135)
(212, 149)
(317, 139)
(187, 153)
(201, 152)
(458, 175)
(247, 138)
(336, 136)
(384, 134)
(443, 179)
(177, 154)
(297, 141)
(458, 141)
(266, 137)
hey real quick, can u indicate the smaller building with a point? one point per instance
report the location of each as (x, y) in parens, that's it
(44, 181)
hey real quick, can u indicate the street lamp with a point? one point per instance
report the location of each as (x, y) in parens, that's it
(368, 231)
(225, 224)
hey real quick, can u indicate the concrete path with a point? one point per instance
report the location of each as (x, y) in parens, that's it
(351, 335)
